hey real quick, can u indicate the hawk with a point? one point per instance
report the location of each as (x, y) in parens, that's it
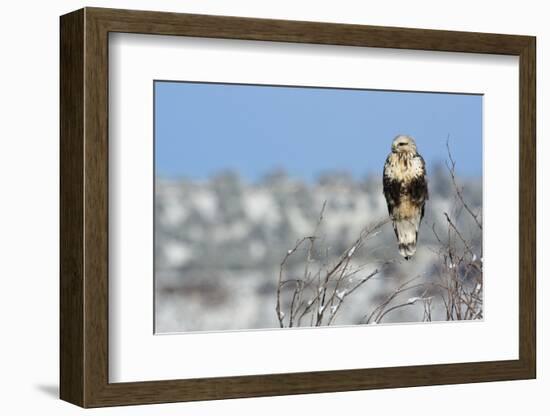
(406, 192)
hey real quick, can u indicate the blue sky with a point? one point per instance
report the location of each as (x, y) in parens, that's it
(202, 129)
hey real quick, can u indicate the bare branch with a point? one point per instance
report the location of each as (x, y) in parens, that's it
(451, 167)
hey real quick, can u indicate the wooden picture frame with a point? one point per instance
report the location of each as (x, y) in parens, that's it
(84, 207)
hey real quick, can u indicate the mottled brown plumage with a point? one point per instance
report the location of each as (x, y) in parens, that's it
(406, 192)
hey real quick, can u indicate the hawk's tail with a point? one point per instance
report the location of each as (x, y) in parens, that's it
(406, 232)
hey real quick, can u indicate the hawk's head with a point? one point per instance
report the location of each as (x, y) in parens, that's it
(403, 144)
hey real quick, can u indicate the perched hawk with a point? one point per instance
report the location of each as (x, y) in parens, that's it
(406, 192)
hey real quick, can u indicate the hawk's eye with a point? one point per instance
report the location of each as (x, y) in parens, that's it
(402, 144)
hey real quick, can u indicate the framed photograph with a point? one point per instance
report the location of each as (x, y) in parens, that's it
(254, 207)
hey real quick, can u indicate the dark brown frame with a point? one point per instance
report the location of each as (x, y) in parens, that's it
(84, 208)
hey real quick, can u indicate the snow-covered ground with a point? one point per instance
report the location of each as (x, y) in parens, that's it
(219, 244)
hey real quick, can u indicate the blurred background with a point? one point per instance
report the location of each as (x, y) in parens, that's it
(242, 173)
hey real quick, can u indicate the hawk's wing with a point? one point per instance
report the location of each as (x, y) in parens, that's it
(392, 188)
(419, 187)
